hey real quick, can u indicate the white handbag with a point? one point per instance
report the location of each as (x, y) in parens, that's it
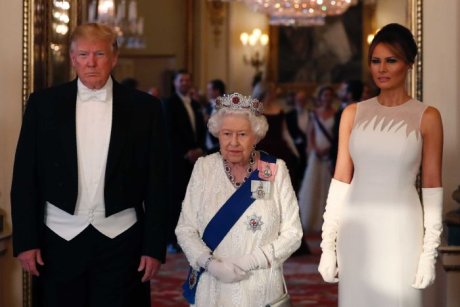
(284, 300)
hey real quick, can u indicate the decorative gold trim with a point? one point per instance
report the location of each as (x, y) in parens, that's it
(26, 289)
(415, 20)
(27, 50)
(27, 87)
(216, 12)
(189, 23)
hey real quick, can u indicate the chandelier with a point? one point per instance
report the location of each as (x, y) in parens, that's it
(298, 12)
(300, 8)
(123, 18)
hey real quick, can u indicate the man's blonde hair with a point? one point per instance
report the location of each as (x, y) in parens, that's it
(94, 31)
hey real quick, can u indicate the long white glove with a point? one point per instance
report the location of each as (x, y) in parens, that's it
(224, 271)
(432, 222)
(254, 261)
(328, 263)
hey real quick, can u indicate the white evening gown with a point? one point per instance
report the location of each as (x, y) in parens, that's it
(381, 231)
(315, 183)
(278, 234)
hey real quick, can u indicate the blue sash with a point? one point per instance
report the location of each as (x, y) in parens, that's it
(222, 222)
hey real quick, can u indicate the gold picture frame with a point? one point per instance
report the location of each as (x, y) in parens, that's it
(275, 67)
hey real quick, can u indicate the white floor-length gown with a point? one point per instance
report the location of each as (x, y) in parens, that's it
(381, 231)
(315, 183)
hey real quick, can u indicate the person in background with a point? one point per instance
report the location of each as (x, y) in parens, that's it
(215, 88)
(313, 190)
(154, 91)
(377, 235)
(186, 131)
(369, 91)
(130, 82)
(349, 92)
(240, 218)
(278, 141)
(87, 198)
(297, 123)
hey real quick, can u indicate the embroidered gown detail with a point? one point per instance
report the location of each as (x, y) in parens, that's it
(272, 224)
(380, 235)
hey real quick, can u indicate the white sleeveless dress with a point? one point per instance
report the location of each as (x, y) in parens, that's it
(381, 231)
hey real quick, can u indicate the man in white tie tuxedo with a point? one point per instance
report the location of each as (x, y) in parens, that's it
(88, 200)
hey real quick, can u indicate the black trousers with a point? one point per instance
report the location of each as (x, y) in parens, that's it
(93, 270)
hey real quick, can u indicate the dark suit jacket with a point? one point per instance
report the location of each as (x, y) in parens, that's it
(300, 139)
(183, 138)
(46, 168)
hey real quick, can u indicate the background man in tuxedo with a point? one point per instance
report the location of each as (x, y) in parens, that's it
(187, 131)
(88, 201)
(297, 123)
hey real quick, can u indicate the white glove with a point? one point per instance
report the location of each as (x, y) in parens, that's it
(328, 263)
(254, 261)
(226, 271)
(223, 270)
(203, 260)
(432, 222)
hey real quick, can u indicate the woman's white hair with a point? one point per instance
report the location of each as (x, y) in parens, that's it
(259, 123)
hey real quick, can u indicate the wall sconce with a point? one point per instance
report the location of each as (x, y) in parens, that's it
(254, 44)
(370, 37)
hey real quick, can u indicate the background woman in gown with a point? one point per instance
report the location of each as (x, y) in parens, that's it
(313, 191)
(245, 268)
(277, 142)
(374, 225)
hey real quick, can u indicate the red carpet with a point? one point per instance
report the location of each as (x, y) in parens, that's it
(303, 280)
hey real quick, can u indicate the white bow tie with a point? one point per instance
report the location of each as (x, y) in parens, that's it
(92, 95)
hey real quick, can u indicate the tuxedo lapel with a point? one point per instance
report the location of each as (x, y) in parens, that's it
(120, 116)
(67, 101)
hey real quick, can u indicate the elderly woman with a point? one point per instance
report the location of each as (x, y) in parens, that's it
(240, 218)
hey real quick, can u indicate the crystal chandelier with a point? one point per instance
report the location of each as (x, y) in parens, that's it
(123, 18)
(298, 12)
(300, 8)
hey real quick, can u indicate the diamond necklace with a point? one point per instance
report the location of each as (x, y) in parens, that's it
(228, 170)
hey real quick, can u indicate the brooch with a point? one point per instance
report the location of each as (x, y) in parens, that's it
(260, 189)
(254, 222)
(267, 171)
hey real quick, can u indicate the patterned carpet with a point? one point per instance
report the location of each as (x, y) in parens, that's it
(303, 280)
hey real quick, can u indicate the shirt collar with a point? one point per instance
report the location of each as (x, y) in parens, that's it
(183, 98)
(101, 95)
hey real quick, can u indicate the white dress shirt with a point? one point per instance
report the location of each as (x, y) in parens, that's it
(94, 125)
(187, 101)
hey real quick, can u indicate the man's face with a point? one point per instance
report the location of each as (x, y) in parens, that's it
(183, 83)
(93, 61)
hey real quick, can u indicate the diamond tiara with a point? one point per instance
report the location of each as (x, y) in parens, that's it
(237, 101)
